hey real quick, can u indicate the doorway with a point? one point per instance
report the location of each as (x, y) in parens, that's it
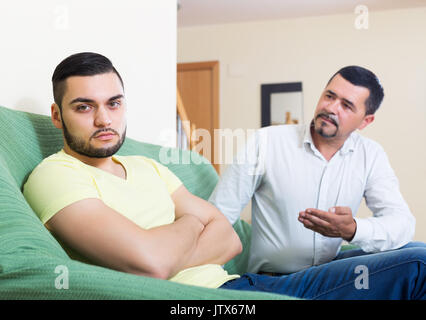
(198, 85)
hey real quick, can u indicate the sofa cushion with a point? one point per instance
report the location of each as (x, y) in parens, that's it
(20, 152)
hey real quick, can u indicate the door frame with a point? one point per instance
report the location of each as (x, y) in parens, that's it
(213, 66)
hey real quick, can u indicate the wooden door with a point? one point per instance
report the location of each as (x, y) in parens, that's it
(198, 85)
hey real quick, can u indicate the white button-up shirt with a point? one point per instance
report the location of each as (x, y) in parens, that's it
(283, 173)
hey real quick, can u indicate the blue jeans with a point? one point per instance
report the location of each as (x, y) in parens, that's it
(354, 274)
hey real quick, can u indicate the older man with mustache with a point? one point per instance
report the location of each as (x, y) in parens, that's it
(306, 183)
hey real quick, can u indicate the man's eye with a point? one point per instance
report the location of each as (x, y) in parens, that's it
(83, 108)
(115, 104)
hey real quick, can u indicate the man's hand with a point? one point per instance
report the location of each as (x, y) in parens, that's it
(337, 222)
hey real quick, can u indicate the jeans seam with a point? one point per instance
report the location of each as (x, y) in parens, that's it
(373, 273)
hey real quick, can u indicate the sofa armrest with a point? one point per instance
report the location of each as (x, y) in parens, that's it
(30, 275)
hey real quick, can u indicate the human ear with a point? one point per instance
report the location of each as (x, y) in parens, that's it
(56, 116)
(366, 121)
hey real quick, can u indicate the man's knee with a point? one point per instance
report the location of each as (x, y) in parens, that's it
(414, 253)
(414, 244)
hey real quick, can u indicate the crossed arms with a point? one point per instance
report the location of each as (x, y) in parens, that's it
(200, 234)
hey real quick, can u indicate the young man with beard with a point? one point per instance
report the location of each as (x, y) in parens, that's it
(127, 213)
(132, 214)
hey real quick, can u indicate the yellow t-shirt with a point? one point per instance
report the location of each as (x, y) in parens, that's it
(143, 197)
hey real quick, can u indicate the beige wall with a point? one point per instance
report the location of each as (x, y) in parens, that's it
(311, 50)
(138, 36)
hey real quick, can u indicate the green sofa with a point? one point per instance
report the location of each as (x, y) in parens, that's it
(30, 255)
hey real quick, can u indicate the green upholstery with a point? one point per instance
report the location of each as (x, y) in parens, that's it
(29, 254)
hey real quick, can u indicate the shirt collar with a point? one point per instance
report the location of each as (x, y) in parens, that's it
(307, 137)
(348, 146)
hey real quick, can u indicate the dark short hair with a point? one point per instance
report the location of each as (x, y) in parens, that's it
(362, 77)
(79, 64)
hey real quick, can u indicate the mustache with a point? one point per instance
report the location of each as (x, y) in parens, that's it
(330, 116)
(104, 130)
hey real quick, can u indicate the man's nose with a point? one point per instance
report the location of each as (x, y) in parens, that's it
(333, 106)
(102, 117)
